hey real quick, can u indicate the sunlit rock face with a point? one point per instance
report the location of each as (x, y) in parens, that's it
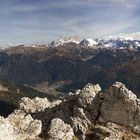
(88, 42)
(60, 130)
(19, 126)
(62, 40)
(3, 88)
(119, 105)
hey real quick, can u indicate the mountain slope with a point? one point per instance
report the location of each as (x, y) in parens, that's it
(68, 66)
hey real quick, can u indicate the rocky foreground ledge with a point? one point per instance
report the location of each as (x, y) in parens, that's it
(87, 114)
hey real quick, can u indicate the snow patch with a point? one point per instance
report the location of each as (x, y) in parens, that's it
(88, 42)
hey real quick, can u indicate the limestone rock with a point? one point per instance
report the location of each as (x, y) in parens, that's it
(110, 131)
(36, 105)
(33, 105)
(6, 129)
(80, 122)
(60, 130)
(87, 94)
(119, 105)
(19, 126)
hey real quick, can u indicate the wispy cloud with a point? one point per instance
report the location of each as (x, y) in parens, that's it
(41, 20)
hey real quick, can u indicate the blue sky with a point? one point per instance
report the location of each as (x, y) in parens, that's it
(27, 21)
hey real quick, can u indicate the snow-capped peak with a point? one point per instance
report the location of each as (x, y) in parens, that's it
(88, 42)
(122, 40)
(126, 38)
(122, 36)
(7, 45)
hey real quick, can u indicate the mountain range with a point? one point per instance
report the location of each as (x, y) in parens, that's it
(118, 41)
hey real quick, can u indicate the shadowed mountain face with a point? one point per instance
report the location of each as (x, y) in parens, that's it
(33, 66)
(70, 66)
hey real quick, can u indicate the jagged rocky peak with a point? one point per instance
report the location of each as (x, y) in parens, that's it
(64, 40)
(119, 90)
(59, 130)
(37, 104)
(88, 42)
(87, 114)
(19, 126)
(34, 105)
(121, 41)
(88, 93)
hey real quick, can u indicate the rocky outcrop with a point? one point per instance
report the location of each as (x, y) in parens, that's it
(19, 126)
(87, 95)
(120, 105)
(37, 104)
(86, 114)
(64, 40)
(58, 130)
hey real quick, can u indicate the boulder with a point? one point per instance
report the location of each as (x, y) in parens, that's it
(36, 105)
(33, 105)
(19, 126)
(87, 94)
(80, 122)
(119, 105)
(59, 130)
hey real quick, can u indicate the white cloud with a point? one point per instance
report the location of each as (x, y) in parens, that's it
(94, 29)
(91, 18)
